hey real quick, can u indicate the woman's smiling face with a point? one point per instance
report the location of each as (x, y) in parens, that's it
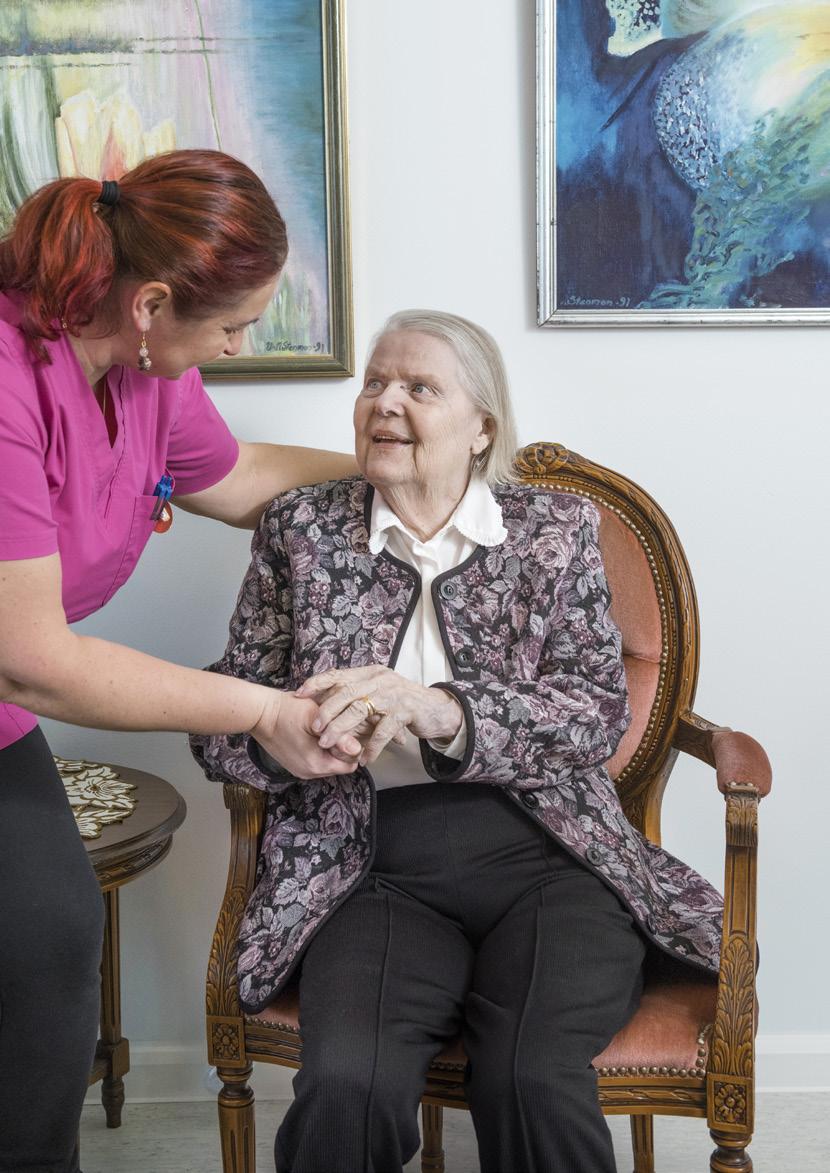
(416, 426)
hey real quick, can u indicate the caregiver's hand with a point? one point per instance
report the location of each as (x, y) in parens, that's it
(285, 732)
(399, 703)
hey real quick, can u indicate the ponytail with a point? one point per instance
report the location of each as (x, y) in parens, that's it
(60, 255)
(200, 221)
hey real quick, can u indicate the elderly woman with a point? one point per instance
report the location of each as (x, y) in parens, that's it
(476, 873)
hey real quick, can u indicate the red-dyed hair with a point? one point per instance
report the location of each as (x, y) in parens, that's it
(200, 221)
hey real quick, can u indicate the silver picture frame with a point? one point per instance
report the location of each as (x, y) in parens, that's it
(591, 308)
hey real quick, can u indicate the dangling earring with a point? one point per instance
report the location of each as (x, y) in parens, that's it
(144, 363)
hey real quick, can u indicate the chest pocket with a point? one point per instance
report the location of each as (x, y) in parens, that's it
(138, 525)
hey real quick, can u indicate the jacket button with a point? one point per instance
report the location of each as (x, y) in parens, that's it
(464, 657)
(448, 590)
(595, 855)
(530, 799)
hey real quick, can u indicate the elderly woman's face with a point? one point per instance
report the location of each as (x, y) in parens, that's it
(415, 424)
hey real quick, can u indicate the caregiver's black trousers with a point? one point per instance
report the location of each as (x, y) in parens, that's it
(51, 929)
(471, 919)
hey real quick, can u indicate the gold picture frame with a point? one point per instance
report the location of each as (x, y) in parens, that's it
(89, 89)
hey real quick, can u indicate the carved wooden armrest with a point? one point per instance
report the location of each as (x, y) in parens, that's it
(744, 777)
(730, 1082)
(246, 806)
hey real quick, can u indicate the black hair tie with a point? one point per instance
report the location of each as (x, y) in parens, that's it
(109, 193)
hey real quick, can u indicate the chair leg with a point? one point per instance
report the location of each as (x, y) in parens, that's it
(112, 1097)
(642, 1142)
(730, 1156)
(432, 1153)
(236, 1121)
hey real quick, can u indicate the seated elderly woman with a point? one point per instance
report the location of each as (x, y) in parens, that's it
(475, 872)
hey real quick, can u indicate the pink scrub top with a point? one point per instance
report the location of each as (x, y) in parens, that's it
(64, 489)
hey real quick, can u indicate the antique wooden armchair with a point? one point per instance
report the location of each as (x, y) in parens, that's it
(689, 1050)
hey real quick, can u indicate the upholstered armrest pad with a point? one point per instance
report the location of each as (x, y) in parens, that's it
(736, 757)
(739, 758)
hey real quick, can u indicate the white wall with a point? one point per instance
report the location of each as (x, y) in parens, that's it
(726, 429)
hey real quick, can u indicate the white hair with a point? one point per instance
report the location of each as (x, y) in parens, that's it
(484, 378)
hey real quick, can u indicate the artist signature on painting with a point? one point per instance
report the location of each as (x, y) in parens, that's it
(283, 345)
(598, 303)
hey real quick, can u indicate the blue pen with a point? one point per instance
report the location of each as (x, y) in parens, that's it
(164, 491)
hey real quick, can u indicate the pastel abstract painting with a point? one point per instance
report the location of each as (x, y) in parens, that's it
(93, 86)
(686, 155)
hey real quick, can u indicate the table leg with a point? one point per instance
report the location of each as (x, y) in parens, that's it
(112, 1047)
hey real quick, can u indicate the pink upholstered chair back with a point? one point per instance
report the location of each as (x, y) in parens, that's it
(655, 609)
(636, 611)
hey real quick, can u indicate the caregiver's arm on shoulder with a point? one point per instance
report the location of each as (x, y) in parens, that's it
(48, 669)
(262, 472)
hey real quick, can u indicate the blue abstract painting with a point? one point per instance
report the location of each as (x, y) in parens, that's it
(691, 157)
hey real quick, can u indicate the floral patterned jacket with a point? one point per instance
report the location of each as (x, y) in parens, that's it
(537, 668)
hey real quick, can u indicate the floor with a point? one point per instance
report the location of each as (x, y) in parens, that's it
(182, 1138)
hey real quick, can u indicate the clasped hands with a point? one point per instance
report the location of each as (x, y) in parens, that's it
(345, 717)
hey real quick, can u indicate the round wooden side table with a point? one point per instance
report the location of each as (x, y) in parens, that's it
(122, 851)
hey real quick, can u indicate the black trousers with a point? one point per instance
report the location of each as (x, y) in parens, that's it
(472, 920)
(51, 931)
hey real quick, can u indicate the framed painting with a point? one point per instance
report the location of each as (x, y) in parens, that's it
(93, 86)
(683, 162)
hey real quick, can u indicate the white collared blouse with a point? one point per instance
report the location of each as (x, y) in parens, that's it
(476, 521)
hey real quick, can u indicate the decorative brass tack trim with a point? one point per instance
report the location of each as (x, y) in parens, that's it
(254, 1021)
(695, 1072)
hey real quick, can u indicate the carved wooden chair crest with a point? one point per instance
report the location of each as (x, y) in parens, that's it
(689, 1050)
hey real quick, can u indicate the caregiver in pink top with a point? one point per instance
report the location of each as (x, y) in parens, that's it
(110, 296)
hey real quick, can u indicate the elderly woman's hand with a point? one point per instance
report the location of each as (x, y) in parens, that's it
(348, 696)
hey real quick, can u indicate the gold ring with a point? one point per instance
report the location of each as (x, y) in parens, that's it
(372, 711)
